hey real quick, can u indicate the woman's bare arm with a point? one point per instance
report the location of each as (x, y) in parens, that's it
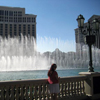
(56, 76)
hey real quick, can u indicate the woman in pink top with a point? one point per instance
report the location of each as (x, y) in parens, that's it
(53, 81)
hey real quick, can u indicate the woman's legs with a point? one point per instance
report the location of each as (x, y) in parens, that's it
(52, 98)
(55, 96)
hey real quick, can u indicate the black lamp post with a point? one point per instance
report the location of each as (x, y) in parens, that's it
(90, 31)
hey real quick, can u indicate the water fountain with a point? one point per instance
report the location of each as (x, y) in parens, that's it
(21, 54)
(16, 55)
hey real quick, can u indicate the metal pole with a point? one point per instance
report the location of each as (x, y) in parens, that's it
(91, 69)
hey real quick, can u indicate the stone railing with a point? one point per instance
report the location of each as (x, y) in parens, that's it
(38, 89)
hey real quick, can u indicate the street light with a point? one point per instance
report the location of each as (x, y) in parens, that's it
(90, 30)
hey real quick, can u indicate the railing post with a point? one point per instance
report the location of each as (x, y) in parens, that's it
(92, 84)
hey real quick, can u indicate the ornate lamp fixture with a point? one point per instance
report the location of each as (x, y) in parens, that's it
(89, 31)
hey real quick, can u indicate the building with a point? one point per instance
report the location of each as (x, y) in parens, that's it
(80, 38)
(14, 22)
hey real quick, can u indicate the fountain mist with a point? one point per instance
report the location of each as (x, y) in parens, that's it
(21, 54)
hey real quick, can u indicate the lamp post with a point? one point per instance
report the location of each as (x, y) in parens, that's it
(90, 30)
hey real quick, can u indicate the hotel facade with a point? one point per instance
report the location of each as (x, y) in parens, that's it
(80, 38)
(14, 22)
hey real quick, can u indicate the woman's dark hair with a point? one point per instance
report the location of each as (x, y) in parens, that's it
(52, 69)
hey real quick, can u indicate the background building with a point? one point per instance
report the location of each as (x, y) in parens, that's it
(80, 38)
(14, 22)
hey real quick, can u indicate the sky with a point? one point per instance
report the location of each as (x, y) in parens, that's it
(56, 20)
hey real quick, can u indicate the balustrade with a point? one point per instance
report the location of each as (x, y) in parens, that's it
(37, 89)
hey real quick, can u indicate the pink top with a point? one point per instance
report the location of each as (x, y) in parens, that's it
(52, 78)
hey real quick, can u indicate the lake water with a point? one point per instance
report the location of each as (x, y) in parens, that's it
(38, 74)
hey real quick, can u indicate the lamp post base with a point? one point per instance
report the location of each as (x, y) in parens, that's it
(91, 69)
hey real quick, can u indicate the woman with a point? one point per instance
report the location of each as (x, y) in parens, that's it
(53, 81)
